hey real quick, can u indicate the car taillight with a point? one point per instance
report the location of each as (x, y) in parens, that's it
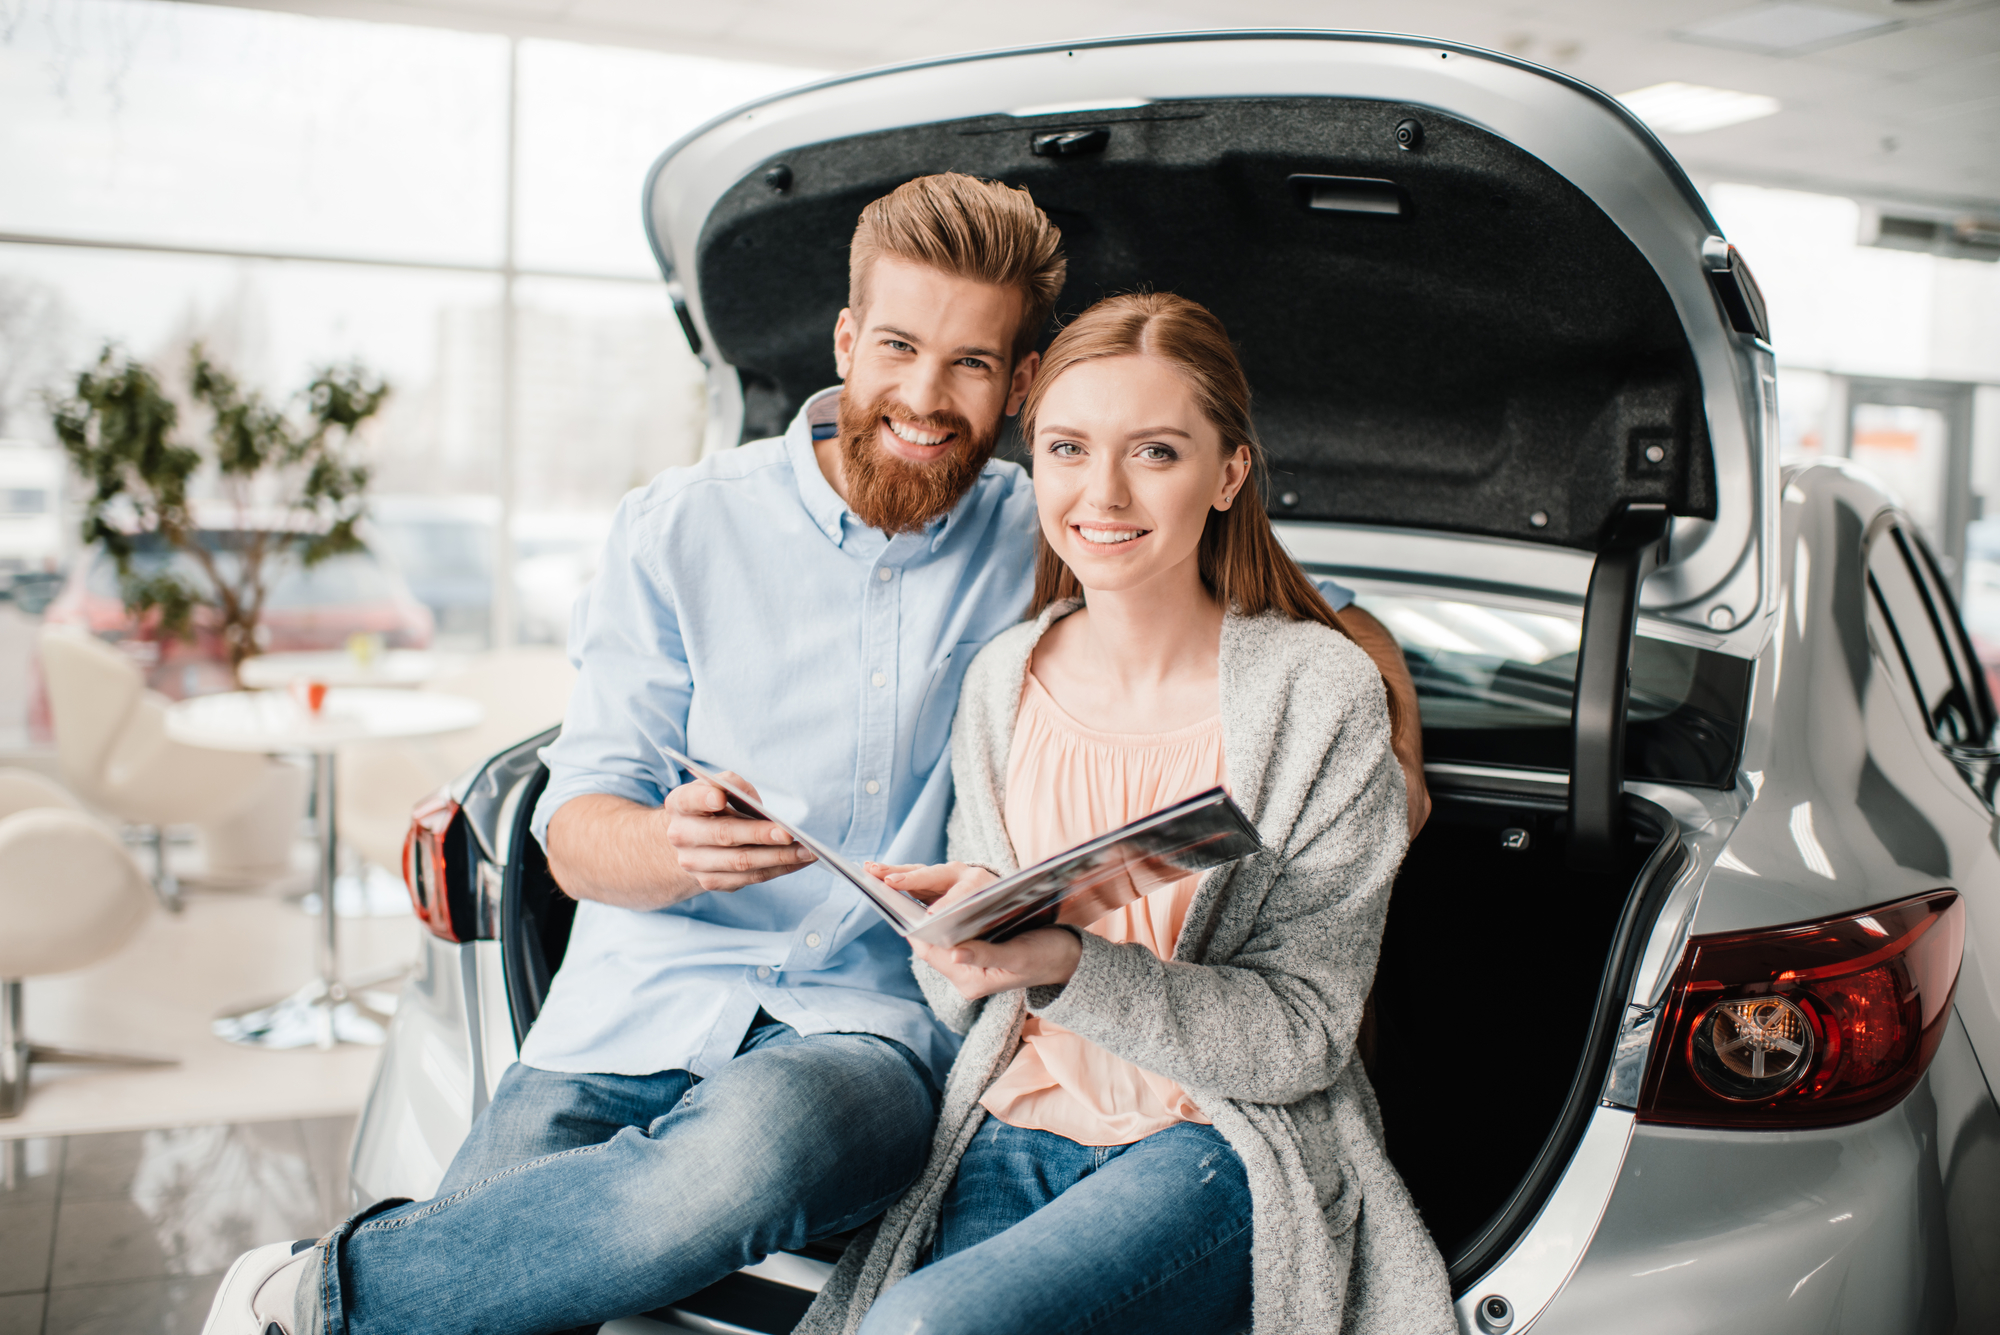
(1812, 1024)
(424, 867)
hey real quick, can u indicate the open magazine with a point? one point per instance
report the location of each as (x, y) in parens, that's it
(1073, 888)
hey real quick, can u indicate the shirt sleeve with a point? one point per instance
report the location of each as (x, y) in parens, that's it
(633, 683)
(1337, 595)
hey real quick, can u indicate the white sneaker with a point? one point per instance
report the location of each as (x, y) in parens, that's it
(258, 1291)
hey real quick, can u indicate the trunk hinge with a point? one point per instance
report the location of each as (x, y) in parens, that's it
(1635, 543)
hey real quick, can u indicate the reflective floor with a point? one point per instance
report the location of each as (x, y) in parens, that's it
(128, 1233)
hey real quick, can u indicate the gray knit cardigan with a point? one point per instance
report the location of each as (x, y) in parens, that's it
(1256, 1014)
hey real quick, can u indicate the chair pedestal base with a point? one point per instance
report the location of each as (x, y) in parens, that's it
(17, 1054)
(317, 1015)
(165, 884)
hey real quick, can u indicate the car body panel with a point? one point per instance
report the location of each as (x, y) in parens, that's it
(1855, 804)
(425, 1092)
(1845, 1229)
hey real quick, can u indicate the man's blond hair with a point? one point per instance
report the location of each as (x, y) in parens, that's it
(969, 228)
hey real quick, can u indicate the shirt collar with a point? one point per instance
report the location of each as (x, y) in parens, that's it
(822, 502)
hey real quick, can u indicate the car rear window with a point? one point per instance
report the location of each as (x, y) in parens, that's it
(1495, 686)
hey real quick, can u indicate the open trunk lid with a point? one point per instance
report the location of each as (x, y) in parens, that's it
(1471, 295)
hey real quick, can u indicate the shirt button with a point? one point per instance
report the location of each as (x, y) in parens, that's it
(881, 679)
(885, 575)
(763, 971)
(812, 940)
(874, 787)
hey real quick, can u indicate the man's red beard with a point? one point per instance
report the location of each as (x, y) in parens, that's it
(895, 494)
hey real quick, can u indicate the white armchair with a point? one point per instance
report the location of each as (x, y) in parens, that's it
(111, 739)
(69, 896)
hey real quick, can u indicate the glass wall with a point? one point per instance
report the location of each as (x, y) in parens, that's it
(292, 191)
(1890, 358)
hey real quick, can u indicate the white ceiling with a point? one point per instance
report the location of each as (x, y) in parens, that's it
(1907, 112)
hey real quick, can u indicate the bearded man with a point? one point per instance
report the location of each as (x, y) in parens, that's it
(734, 1058)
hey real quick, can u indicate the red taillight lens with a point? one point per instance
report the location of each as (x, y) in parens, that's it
(424, 870)
(1809, 1025)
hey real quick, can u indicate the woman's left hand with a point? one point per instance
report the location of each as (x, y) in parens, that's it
(1046, 957)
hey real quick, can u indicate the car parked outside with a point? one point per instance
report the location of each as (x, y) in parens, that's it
(308, 607)
(1691, 982)
(443, 548)
(31, 523)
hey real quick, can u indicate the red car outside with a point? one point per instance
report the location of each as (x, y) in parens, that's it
(307, 608)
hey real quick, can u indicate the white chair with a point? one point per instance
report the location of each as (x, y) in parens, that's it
(69, 896)
(111, 739)
(522, 690)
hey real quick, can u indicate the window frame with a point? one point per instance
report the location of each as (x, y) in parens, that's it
(1966, 693)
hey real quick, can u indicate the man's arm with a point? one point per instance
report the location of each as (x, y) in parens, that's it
(620, 852)
(1406, 739)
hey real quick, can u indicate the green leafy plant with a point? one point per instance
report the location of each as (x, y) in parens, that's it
(288, 471)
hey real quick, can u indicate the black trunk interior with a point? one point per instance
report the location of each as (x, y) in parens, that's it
(1476, 347)
(1490, 978)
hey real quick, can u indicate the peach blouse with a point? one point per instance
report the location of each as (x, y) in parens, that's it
(1067, 783)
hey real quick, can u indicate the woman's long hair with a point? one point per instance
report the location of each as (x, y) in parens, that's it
(1242, 563)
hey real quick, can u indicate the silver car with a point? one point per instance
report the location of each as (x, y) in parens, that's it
(1691, 980)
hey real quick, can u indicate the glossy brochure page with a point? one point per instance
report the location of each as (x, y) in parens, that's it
(1073, 888)
(1082, 885)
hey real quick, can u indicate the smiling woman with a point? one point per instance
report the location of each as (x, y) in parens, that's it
(1158, 1118)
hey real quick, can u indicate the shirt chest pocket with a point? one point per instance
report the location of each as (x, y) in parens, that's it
(932, 730)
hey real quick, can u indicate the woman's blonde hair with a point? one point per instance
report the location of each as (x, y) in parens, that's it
(1242, 562)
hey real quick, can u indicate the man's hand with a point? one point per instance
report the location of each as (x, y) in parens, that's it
(1041, 958)
(618, 852)
(939, 886)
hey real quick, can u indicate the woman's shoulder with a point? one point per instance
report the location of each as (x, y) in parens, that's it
(1280, 647)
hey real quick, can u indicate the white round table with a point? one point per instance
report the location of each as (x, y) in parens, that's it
(337, 667)
(326, 1010)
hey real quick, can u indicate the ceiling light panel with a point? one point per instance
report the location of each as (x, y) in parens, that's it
(1782, 28)
(1690, 108)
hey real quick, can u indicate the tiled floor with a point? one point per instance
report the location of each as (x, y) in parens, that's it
(128, 1233)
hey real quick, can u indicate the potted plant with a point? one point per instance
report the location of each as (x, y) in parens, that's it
(289, 472)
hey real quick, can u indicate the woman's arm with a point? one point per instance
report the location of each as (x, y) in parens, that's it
(1278, 1021)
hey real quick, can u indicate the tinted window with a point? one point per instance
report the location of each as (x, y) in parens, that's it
(1496, 686)
(1922, 629)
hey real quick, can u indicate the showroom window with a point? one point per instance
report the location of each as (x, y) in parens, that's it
(457, 210)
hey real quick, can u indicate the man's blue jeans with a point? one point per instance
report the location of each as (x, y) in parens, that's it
(578, 1198)
(1041, 1234)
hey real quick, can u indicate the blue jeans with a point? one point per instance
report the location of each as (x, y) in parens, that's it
(579, 1198)
(1040, 1233)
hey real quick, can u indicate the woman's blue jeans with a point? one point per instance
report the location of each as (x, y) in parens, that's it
(1041, 1234)
(578, 1198)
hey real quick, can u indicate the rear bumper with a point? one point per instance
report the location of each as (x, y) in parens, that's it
(422, 1101)
(1872, 1227)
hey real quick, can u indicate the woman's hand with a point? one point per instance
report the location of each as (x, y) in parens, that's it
(941, 886)
(1046, 957)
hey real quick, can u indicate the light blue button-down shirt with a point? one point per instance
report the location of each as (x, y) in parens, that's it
(743, 615)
